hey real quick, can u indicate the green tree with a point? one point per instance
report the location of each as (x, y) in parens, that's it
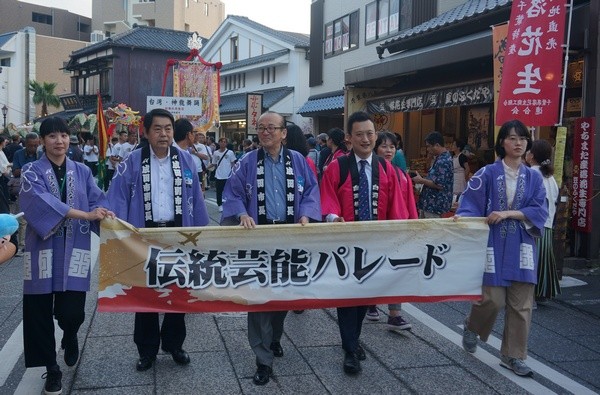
(44, 93)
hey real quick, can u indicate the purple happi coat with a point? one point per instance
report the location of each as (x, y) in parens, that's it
(126, 198)
(511, 247)
(57, 249)
(239, 195)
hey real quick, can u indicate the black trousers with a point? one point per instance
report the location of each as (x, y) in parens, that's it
(108, 177)
(350, 321)
(220, 185)
(147, 335)
(38, 324)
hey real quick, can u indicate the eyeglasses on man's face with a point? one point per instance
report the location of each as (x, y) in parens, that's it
(270, 128)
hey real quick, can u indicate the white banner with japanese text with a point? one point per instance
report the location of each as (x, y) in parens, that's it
(289, 267)
(532, 70)
(178, 106)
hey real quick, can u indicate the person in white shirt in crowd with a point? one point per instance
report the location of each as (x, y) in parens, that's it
(110, 165)
(90, 154)
(130, 145)
(223, 159)
(202, 152)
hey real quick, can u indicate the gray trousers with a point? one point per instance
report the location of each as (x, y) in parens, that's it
(265, 328)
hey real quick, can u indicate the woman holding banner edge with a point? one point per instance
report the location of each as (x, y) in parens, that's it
(511, 197)
(62, 205)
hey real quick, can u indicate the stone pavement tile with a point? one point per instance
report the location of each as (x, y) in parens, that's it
(231, 321)
(327, 362)
(132, 390)
(400, 350)
(112, 324)
(458, 357)
(240, 353)
(555, 317)
(202, 333)
(556, 348)
(244, 360)
(584, 370)
(313, 328)
(10, 308)
(296, 384)
(591, 342)
(207, 373)
(110, 362)
(442, 380)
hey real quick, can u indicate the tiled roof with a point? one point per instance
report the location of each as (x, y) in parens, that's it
(255, 60)
(144, 37)
(321, 103)
(464, 12)
(236, 103)
(5, 37)
(296, 39)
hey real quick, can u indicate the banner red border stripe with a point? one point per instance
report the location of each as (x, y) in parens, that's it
(149, 300)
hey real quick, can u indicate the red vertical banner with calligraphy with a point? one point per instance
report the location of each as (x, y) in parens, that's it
(531, 75)
(253, 110)
(583, 172)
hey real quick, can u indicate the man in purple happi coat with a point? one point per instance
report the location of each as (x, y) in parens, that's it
(157, 186)
(270, 185)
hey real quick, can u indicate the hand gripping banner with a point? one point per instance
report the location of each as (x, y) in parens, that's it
(289, 267)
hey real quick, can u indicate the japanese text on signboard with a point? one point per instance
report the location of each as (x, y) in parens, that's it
(583, 169)
(533, 62)
(253, 110)
(178, 106)
(200, 269)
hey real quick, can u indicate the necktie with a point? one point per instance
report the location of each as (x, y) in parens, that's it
(364, 208)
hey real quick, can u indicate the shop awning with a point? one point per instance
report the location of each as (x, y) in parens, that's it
(331, 103)
(234, 104)
(462, 49)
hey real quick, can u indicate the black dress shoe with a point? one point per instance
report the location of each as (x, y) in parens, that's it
(351, 363)
(179, 356)
(145, 363)
(277, 349)
(71, 347)
(262, 375)
(360, 353)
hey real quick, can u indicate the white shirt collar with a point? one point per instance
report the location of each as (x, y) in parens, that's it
(369, 159)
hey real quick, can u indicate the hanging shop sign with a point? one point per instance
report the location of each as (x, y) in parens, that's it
(254, 107)
(583, 171)
(451, 97)
(531, 76)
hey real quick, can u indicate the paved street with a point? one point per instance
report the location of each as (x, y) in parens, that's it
(564, 351)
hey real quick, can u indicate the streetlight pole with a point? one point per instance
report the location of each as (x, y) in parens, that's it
(4, 112)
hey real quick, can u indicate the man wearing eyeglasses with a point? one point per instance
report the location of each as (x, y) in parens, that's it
(256, 194)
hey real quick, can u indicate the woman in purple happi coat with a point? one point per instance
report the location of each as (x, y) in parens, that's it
(512, 198)
(62, 205)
